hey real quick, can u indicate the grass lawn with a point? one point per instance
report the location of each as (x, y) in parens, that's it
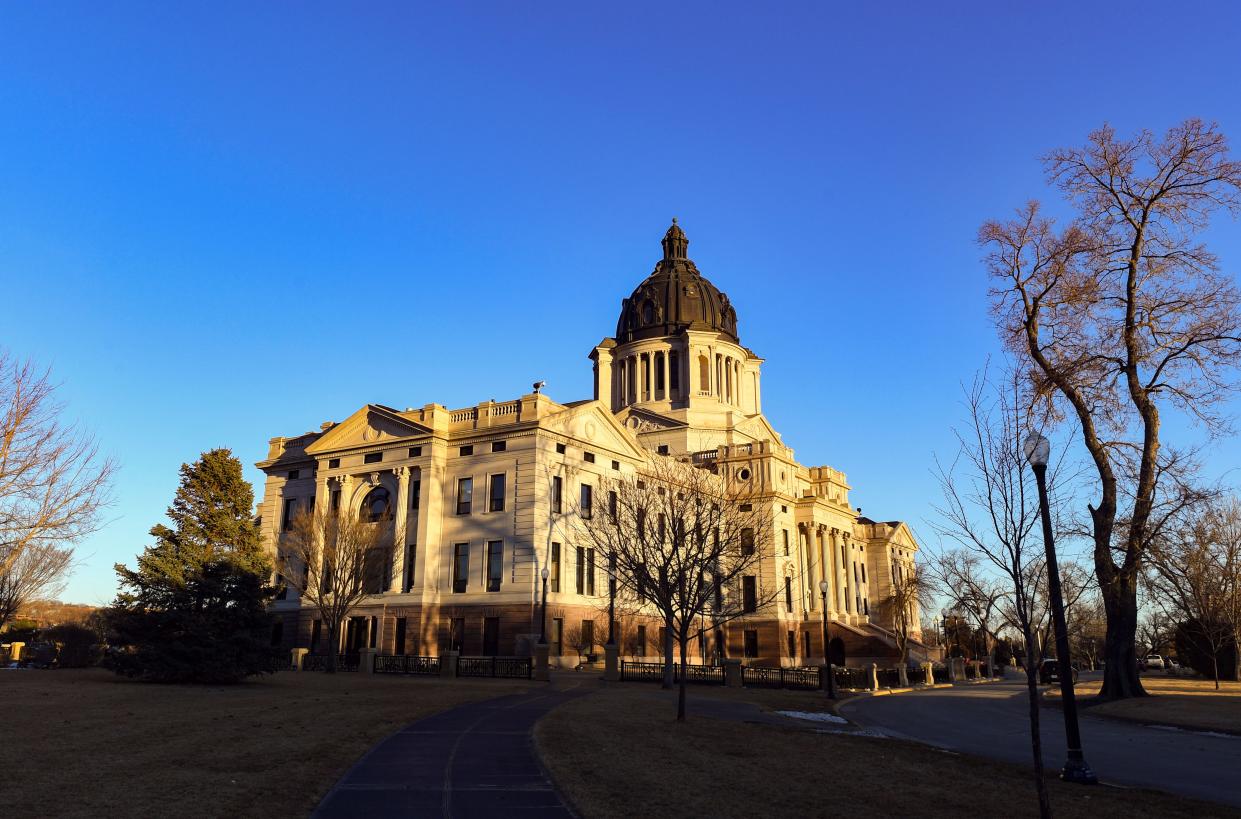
(636, 760)
(86, 743)
(1186, 702)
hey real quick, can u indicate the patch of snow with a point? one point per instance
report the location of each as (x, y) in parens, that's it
(814, 716)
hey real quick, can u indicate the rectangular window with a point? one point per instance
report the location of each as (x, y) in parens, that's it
(588, 500)
(559, 449)
(465, 495)
(374, 631)
(557, 640)
(415, 492)
(590, 571)
(581, 570)
(750, 647)
(399, 645)
(792, 640)
(588, 457)
(333, 463)
(786, 542)
(456, 634)
(747, 507)
(495, 564)
(415, 452)
(294, 473)
(702, 645)
(499, 446)
(553, 574)
(674, 370)
(662, 449)
(316, 630)
(641, 647)
(805, 644)
(460, 567)
(588, 635)
(557, 493)
(491, 636)
(749, 594)
(747, 542)
(616, 465)
(290, 509)
(788, 593)
(468, 449)
(411, 560)
(496, 502)
(863, 572)
(373, 457)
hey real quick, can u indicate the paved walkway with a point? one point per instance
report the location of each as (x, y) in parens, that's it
(477, 760)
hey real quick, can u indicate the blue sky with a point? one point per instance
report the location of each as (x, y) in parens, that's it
(221, 223)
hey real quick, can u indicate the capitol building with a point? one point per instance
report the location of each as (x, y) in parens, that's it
(473, 512)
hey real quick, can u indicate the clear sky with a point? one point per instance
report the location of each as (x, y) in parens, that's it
(220, 223)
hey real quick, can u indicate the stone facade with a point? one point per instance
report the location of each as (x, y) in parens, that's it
(471, 496)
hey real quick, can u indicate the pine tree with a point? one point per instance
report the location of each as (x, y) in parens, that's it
(195, 608)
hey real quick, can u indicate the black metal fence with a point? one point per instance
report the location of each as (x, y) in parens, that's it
(854, 678)
(940, 673)
(805, 679)
(888, 678)
(319, 662)
(407, 664)
(514, 668)
(631, 671)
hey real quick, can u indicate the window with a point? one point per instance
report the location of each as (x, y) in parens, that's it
(788, 592)
(588, 499)
(674, 370)
(399, 644)
(616, 464)
(746, 507)
(495, 564)
(333, 463)
(411, 559)
(294, 473)
(373, 457)
(749, 594)
(553, 570)
(663, 527)
(588, 635)
(316, 629)
(374, 631)
(456, 634)
(290, 509)
(805, 644)
(491, 636)
(557, 640)
(863, 572)
(557, 493)
(283, 594)
(559, 449)
(375, 507)
(465, 495)
(792, 640)
(335, 501)
(747, 542)
(662, 449)
(702, 644)
(786, 542)
(415, 452)
(750, 647)
(590, 571)
(499, 446)
(415, 492)
(468, 449)
(640, 649)
(704, 374)
(496, 503)
(588, 457)
(581, 570)
(460, 567)
(612, 505)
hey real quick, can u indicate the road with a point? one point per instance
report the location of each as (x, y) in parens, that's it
(992, 720)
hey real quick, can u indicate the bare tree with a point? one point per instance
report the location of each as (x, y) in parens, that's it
(909, 591)
(685, 545)
(990, 506)
(1120, 316)
(53, 486)
(1194, 578)
(581, 638)
(334, 560)
(960, 576)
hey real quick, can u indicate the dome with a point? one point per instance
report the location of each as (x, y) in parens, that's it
(675, 297)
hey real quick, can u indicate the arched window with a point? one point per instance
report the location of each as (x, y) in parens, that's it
(648, 312)
(704, 373)
(375, 507)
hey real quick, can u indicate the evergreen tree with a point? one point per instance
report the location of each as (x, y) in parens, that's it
(195, 608)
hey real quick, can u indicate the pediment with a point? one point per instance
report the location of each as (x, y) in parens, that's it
(641, 420)
(373, 424)
(759, 428)
(591, 422)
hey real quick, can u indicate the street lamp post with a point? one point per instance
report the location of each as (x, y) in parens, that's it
(1037, 449)
(827, 650)
(612, 600)
(543, 611)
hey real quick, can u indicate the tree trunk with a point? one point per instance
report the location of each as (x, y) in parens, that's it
(333, 630)
(1036, 737)
(681, 687)
(667, 653)
(1120, 602)
(1215, 666)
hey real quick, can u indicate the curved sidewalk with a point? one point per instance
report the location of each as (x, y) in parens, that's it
(476, 760)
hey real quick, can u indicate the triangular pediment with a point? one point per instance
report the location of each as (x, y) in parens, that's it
(371, 425)
(758, 428)
(639, 420)
(591, 422)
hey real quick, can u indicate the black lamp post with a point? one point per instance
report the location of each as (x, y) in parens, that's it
(612, 600)
(1037, 449)
(827, 646)
(543, 611)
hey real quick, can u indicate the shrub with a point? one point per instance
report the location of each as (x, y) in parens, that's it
(78, 645)
(1194, 650)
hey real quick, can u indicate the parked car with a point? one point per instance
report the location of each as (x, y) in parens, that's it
(1049, 672)
(1151, 662)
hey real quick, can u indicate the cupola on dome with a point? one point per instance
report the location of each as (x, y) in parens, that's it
(675, 297)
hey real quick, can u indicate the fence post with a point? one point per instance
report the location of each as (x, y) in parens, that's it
(611, 653)
(874, 676)
(366, 660)
(299, 656)
(732, 672)
(541, 653)
(448, 663)
(929, 671)
(15, 651)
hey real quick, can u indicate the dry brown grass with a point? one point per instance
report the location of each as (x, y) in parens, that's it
(85, 743)
(635, 759)
(1185, 702)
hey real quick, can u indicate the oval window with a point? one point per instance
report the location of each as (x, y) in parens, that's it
(744, 474)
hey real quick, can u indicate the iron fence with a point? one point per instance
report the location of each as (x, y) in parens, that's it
(888, 677)
(631, 671)
(515, 668)
(854, 678)
(318, 662)
(940, 674)
(407, 664)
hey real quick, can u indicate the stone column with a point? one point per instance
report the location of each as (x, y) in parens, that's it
(366, 660)
(849, 583)
(448, 663)
(667, 373)
(541, 670)
(732, 672)
(874, 676)
(611, 668)
(297, 658)
(397, 581)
